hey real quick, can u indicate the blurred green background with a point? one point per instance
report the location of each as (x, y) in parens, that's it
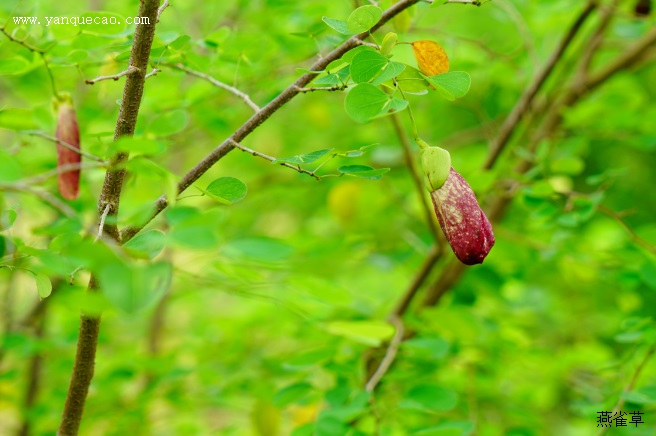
(275, 300)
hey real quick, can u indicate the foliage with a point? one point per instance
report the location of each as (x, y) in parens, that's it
(255, 301)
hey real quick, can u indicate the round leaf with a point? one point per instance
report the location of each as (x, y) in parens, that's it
(227, 190)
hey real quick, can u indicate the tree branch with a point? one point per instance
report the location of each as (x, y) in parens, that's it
(64, 144)
(272, 159)
(390, 355)
(108, 205)
(523, 104)
(231, 89)
(131, 69)
(318, 88)
(283, 98)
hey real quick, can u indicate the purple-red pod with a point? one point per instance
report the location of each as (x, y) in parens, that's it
(68, 131)
(462, 220)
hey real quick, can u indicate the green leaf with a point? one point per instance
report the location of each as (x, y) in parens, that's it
(7, 219)
(17, 119)
(292, 394)
(394, 105)
(430, 398)
(227, 190)
(433, 348)
(567, 165)
(392, 70)
(10, 169)
(134, 287)
(218, 37)
(304, 158)
(366, 65)
(363, 171)
(43, 285)
(14, 65)
(451, 85)
(364, 18)
(349, 55)
(364, 102)
(371, 333)
(645, 395)
(339, 25)
(259, 249)
(169, 123)
(413, 81)
(147, 245)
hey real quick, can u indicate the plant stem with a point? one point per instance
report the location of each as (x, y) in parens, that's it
(108, 204)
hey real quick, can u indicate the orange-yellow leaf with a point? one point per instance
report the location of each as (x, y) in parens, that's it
(431, 57)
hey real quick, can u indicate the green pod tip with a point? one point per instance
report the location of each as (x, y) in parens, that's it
(436, 163)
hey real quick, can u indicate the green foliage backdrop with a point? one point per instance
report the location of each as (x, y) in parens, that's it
(255, 303)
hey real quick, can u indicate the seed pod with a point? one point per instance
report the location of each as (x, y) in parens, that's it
(69, 133)
(436, 163)
(463, 222)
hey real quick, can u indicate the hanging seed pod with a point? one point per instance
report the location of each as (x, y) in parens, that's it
(462, 220)
(69, 133)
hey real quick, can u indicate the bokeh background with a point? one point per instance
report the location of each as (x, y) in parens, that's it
(277, 301)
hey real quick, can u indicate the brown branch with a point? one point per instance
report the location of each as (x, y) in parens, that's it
(254, 122)
(319, 88)
(418, 280)
(83, 367)
(390, 355)
(524, 102)
(273, 159)
(231, 89)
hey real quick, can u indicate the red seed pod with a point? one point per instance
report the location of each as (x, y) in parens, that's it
(68, 132)
(463, 222)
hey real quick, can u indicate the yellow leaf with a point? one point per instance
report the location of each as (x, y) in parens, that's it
(431, 57)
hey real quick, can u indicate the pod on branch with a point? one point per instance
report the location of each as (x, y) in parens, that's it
(462, 220)
(68, 132)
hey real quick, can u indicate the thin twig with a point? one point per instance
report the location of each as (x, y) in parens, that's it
(318, 88)
(41, 53)
(101, 226)
(631, 384)
(617, 217)
(39, 178)
(152, 73)
(273, 159)
(390, 355)
(420, 277)
(161, 9)
(28, 46)
(53, 201)
(524, 102)
(131, 69)
(64, 144)
(231, 89)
